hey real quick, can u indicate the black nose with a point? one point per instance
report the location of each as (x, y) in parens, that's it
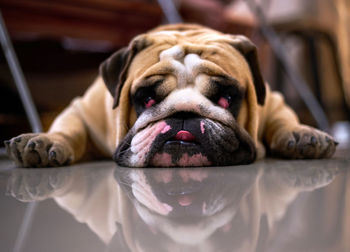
(190, 121)
(185, 115)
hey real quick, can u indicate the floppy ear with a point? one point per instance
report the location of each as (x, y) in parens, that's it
(114, 70)
(248, 50)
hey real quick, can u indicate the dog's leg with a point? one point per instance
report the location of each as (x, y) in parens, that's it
(67, 140)
(288, 138)
(62, 145)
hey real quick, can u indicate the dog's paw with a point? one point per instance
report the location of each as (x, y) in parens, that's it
(303, 142)
(39, 150)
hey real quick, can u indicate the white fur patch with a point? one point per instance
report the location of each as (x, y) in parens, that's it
(186, 66)
(175, 52)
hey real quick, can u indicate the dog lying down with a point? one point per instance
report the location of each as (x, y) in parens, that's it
(179, 95)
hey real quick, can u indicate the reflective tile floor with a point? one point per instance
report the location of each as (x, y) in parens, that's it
(271, 205)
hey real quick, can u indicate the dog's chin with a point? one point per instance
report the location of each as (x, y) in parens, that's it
(180, 153)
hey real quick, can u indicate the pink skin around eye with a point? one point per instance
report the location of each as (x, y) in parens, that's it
(223, 102)
(150, 103)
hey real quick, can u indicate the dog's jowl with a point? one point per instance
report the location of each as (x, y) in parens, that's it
(179, 95)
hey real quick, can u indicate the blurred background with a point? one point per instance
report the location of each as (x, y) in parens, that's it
(60, 44)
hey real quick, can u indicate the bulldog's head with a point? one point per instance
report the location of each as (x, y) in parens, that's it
(186, 96)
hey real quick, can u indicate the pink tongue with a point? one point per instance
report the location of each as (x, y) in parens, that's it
(184, 135)
(184, 200)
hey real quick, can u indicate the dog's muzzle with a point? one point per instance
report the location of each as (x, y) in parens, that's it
(186, 139)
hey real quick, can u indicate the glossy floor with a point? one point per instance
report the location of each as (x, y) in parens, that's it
(271, 205)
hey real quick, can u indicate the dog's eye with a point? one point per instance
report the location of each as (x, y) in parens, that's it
(149, 102)
(145, 98)
(227, 93)
(225, 101)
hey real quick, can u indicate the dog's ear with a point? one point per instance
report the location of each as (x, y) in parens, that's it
(249, 51)
(114, 70)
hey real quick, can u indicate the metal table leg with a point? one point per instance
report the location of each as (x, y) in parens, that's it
(296, 79)
(170, 12)
(32, 116)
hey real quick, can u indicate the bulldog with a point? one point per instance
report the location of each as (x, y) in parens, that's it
(179, 95)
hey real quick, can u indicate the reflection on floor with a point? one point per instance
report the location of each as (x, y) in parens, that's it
(271, 205)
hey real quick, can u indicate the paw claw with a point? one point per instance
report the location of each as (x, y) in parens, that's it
(313, 140)
(290, 144)
(31, 146)
(52, 155)
(18, 156)
(296, 136)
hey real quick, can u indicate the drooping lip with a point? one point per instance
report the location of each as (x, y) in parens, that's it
(176, 142)
(201, 145)
(172, 150)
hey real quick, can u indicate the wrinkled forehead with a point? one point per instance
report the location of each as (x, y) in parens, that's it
(187, 56)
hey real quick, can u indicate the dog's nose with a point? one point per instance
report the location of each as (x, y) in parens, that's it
(185, 115)
(184, 135)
